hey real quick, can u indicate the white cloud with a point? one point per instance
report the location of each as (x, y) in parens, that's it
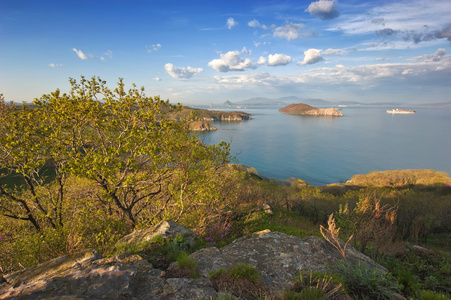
(415, 20)
(416, 79)
(80, 54)
(256, 24)
(258, 44)
(248, 79)
(156, 79)
(154, 47)
(181, 72)
(292, 31)
(437, 56)
(311, 56)
(231, 23)
(55, 65)
(324, 9)
(261, 60)
(231, 61)
(278, 59)
(338, 52)
(108, 54)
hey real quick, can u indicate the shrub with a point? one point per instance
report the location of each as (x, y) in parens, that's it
(431, 295)
(244, 271)
(242, 280)
(187, 265)
(363, 282)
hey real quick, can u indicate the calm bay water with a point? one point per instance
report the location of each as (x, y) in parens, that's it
(323, 150)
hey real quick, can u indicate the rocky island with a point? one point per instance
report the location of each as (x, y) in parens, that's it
(307, 110)
(204, 116)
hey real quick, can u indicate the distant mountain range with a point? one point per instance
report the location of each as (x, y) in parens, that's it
(283, 101)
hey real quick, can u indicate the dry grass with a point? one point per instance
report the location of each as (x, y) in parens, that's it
(331, 235)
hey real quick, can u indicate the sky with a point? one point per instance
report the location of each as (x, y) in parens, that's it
(202, 52)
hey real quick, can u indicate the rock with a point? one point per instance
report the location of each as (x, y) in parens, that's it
(87, 275)
(277, 256)
(304, 109)
(188, 288)
(88, 278)
(124, 276)
(166, 229)
(201, 126)
(60, 266)
(267, 208)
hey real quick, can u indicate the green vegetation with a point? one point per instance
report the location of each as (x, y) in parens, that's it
(242, 281)
(314, 286)
(115, 164)
(362, 282)
(77, 173)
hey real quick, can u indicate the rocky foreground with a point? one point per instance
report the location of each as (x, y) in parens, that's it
(307, 110)
(277, 257)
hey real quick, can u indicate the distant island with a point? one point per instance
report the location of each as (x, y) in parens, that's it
(205, 116)
(307, 110)
(283, 101)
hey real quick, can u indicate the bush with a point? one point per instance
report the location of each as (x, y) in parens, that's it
(314, 285)
(431, 295)
(242, 280)
(244, 271)
(363, 282)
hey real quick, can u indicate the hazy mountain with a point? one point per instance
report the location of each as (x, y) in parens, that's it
(260, 101)
(442, 104)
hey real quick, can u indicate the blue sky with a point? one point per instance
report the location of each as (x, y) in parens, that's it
(200, 52)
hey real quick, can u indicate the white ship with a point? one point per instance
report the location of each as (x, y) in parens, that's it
(400, 111)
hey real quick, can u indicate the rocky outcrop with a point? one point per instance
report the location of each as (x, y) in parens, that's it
(277, 256)
(213, 115)
(201, 126)
(307, 110)
(165, 229)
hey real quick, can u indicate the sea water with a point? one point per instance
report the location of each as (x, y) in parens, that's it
(323, 150)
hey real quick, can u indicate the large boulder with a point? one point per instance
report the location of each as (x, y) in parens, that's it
(87, 276)
(277, 256)
(166, 229)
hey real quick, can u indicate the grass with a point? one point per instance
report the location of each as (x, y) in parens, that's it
(282, 220)
(241, 281)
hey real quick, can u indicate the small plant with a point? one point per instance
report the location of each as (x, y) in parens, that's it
(242, 281)
(187, 265)
(431, 295)
(313, 286)
(218, 233)
(244, 271)
(362, 281)
(331, 235)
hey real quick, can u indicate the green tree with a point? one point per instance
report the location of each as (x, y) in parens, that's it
(145, 163)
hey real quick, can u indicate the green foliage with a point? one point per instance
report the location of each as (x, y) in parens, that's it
(313, 293)
(216, 273)
(242, 280)
(244, 271)
(225, 296)
(314, 285)
(431, 295)
(370, 223)
(93, 170)
(416, 270)
(361, 281)
(188, 265)
(250, 220)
